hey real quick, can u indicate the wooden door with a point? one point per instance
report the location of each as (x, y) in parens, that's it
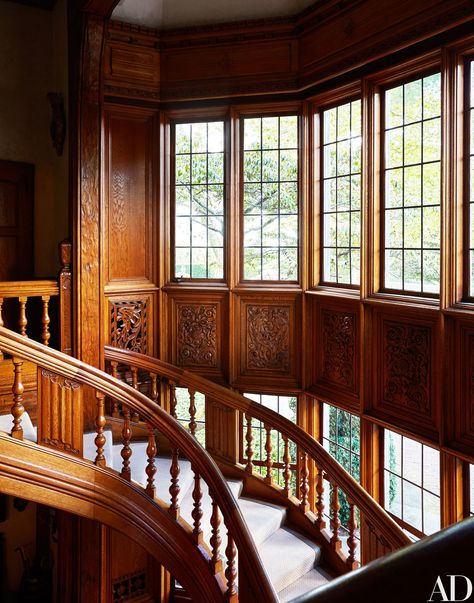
(16, 220)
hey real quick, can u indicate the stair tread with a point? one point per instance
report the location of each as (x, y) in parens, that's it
(262, 518)
(310, 581)
(299, 558)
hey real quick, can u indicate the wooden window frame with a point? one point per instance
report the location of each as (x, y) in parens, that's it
(239, 115)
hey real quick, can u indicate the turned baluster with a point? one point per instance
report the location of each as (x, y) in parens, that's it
(320, 522)
(100, 424)
(173, 400)
(17, 409)
(45, 320)
(231, 569)
(249, 440)
(22, 321)
(286, 467)
(304, 483)
(215, 540)
(150, 466)
(268, 450)
(192, 412)
(174, 487)
(1, 322)
(351, 539)
(126, 451)
(335, 521)
(155, 390)
(134, 370)
(197, 509)
(114, 373)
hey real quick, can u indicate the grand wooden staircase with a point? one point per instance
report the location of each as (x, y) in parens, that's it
(270, 530)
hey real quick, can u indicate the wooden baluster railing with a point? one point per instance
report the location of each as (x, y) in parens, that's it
(45, 320)
(249, 440)
(320, 522)
(197, 509)
(22, 320)
(174, 487)
(114, 373)
(192, 412)
(100, 425)
(351, 560)
(155, 390)
(17, 409)
(231, 570)
(286, 467)
(150, 466)
(335, 521)
(304, 485)
(215, 540)
(126, 451)
(135, 416)
(173, 400)
(268, 458)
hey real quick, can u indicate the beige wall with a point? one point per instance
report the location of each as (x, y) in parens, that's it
(33, 62)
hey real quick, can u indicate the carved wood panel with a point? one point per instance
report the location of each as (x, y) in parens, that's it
(406, 375)
(460, 420)
(197, 339)
(60, 412)
(129, 325)
(129, 203)
(222, 440)
(335, 350)
(268, 336)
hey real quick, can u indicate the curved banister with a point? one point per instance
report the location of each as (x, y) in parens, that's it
(82, 373)
(373, 512)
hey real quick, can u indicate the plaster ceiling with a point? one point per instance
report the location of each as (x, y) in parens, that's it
(168, 14)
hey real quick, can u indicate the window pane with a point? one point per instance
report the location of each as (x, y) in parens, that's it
(341, 432)
(412, 181)
(341, 193)
(470, 168)
(412, 482)
(270, 176)
(199, 200)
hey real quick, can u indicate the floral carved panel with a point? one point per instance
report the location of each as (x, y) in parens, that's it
(268, 337)
(128, 325)
(338, 347)
(407, 366)
(197, 334)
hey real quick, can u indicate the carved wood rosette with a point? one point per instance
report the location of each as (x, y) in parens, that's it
(60, 413)
(197, 335)
(128, 325)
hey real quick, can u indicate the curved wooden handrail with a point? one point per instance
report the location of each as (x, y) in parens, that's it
(374, 514)
(84, 374)
(77, 486)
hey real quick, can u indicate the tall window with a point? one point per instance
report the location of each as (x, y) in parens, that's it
(412, 171)
(470, 147)
(341, 437)
(199, 178)
(412, 483)
(341, 157)
(270, 198)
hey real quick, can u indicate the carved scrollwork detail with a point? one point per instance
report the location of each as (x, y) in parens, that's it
(407, 366)
(268, 337)
(197, 335)
(338, 335)
(60, 445)
(61, 382)
(128, 322)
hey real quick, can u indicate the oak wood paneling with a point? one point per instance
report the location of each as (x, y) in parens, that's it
(403, 358)
(129, 197)
(130, 321)
(335, 350)
(269, 337)
(198, 334)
